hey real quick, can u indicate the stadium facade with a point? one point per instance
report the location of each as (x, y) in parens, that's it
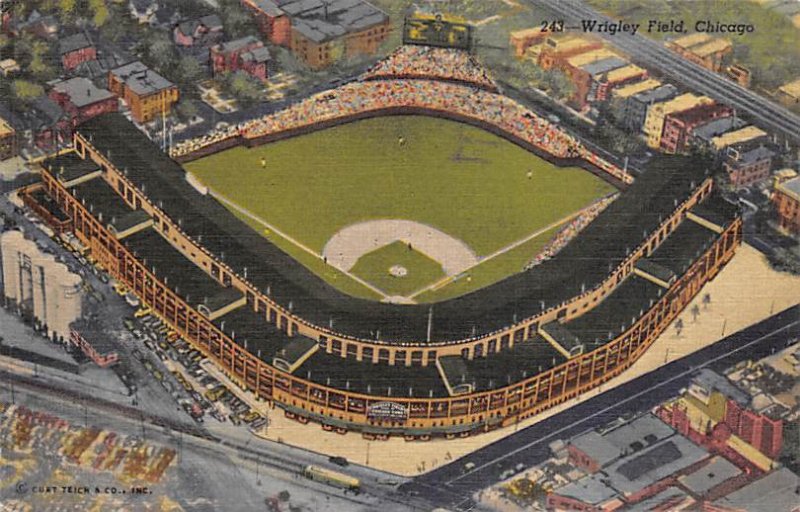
(465, 365)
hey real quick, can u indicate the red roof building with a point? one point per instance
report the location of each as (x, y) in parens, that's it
(76, 49)
(81, 100)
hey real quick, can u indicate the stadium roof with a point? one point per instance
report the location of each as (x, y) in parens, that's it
(104, 203)
(69, 167)
(179, 274)
(609, 238)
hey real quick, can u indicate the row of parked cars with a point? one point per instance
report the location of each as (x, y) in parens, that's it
(214, 397)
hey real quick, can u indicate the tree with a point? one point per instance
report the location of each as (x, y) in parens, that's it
(25, 91)
(66, 9)
(189, 72)
(99, 11)
(187, 110)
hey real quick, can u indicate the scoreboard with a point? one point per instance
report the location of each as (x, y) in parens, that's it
(437, 30)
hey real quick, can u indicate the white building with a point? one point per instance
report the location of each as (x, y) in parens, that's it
(38, 285)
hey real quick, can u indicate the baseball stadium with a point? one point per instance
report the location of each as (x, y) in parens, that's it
(328, 256)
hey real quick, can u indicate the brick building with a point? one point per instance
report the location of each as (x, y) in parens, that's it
(635, 108)
(75, 50)
(273, 23)
(758, 430)
(678, 125)
(247, 54)
(657, 115)
(786, 199)
(702, 49)
(8, 140)
(147, 93)
(743, 138)
(521, 40)
(80, 99)
(93, 342)
(745, 168)
(320, 32)
(556, 51)
(585, 69)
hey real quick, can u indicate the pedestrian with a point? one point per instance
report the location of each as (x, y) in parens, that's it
(263, 163)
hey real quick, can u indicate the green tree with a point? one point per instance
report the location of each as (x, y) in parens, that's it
(25, 90)
(99, 11)
(189, 72)
(66, 9)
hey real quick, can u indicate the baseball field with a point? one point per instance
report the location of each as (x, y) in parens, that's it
(401, 206)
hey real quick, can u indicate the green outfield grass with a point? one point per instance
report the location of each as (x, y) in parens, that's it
(374, 268)
(469, 183)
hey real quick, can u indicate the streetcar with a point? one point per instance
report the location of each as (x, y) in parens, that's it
(332, 478)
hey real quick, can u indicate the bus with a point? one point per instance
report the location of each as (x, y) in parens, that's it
(333, 478)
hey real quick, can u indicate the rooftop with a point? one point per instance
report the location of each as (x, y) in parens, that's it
(323, 20)
(683, 246)
(756, 155)
(745, 134)
(712, 381)
(607, 446)
(590, 489)
(642, 469)
(141, 79)
(791, 187)
(691, 40)
(252, 332)
(661, 93)
(100, 199)
(629, 90)
(68, 167)
(74, 42)
(711, 129)
(591, 56)
(604, 66)
(791, 89)
(211, 21)
(717, 45)
(625, 73)
(185, 278)
(237, 44)
(778, 490)
(681, 103)
(709, 476)
(81, 91)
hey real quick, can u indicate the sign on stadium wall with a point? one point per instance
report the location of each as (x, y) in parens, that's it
(387, 411)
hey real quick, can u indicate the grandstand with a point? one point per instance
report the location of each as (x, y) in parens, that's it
(466, 365)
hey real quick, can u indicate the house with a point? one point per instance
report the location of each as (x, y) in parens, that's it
(82, 100)
(521, 40)
(143, 11)
(273, 23)
(203, 31)
(42, 26)
(748, 167)
(557, 50)
(635, 108)
(657, 115)
(8, 140)
(247, 54)
(47, 123)
(786, 200)
(146, 92)
(76, 49)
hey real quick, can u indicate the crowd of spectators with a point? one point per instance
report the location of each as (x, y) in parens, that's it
(571, 230)
(423, 62)
(445, 97)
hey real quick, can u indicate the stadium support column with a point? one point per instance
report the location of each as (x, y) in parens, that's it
(430, 323)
